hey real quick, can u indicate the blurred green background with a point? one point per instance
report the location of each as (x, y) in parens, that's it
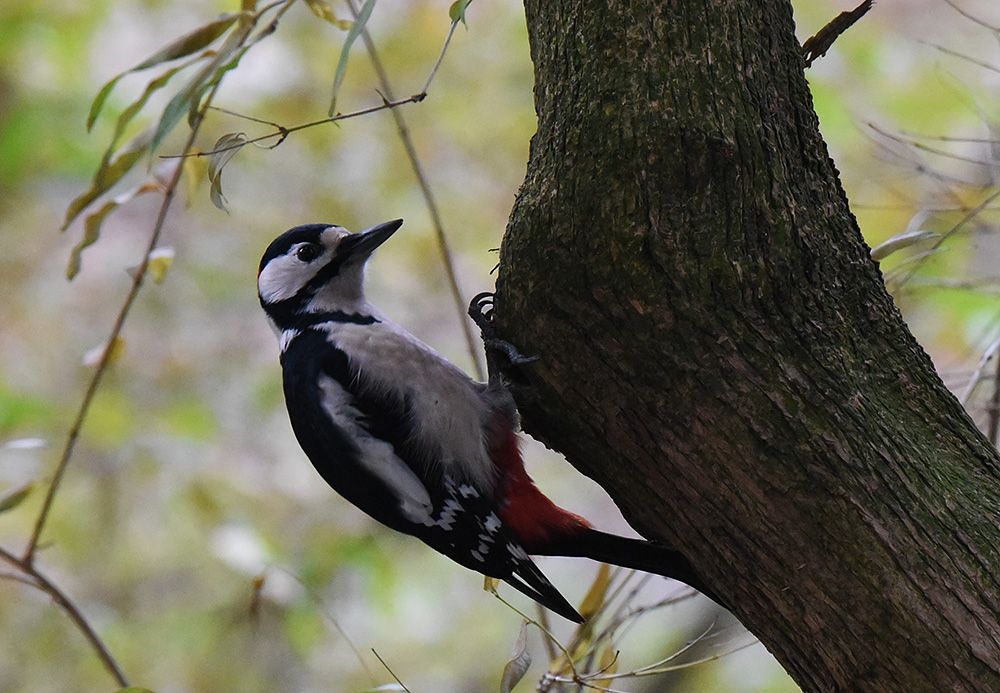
(190, 529)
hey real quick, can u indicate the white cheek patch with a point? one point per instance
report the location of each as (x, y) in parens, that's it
(284, 276)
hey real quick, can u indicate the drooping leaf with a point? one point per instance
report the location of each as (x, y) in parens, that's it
(183, 46)
(189, 43)
(172, 115)
(324, 10)
(188, 99)
(359, 25)
(215, 78)
(98, 103)
(520, 659)
(457, 10)
(608, 665)
(108, 173)
(597, 593)
(195, 168)
(91, 232)
(92, 225)
(16, 497)
(130, 112)
(225, 149)
(134, 689)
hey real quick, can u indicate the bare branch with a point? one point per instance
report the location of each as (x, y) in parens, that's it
(817, 46)
(425, 187)
(40, 582)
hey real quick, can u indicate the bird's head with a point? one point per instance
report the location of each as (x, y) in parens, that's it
(317, 268)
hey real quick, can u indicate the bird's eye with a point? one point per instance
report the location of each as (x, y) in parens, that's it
(307, 253)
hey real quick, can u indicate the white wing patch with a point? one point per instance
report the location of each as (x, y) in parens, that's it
(377, 456)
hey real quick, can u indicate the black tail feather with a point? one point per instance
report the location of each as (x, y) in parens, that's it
(529, 580)
(636, 554)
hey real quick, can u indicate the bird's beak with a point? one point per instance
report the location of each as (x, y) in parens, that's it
(363, 243)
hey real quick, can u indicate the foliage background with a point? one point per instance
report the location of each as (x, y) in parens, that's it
(188, 487)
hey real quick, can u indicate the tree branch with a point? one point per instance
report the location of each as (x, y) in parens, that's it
(40, 582)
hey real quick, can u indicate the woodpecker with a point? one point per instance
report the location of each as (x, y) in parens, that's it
(408, 437)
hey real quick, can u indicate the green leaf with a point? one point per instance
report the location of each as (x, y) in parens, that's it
(225, 149)
(189, 43)
(215, 79)
(92, 226)
(91, 232)
(189, 99)
(129, 113)
(134, 689)
(457, 10)
(352, 35)
(102, 96)
(172, 115)
(16, 497)
(185, 45)
(109, 173)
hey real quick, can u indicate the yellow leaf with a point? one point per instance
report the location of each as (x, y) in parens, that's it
(159, 262)
(609, 665)
(324, 11)
(195, 170)
(594, 600)
(115, 352)
(490, 584)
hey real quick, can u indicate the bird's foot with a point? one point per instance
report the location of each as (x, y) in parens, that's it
(501, 356)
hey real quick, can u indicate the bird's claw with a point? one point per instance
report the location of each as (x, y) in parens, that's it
(481, 311)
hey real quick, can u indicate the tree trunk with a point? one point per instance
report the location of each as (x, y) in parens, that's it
(718, 349)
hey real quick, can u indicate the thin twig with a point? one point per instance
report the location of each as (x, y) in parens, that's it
(425, 187)
(26, 562)
(966, 218)
(138, 277)
(391, 672)
(962, 56)
(318, 601)
(284, 132)
(971, 17)
(440, 58)
(170, 190)
(929, 149)
(539, 626)
(40, 582)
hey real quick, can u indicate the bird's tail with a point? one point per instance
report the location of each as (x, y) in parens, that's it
(529, 580)
(636, 554)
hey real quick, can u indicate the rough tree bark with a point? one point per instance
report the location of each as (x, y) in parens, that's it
(718, 349)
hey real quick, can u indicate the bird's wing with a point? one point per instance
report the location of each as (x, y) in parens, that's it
(333, 424)
(436, 412)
